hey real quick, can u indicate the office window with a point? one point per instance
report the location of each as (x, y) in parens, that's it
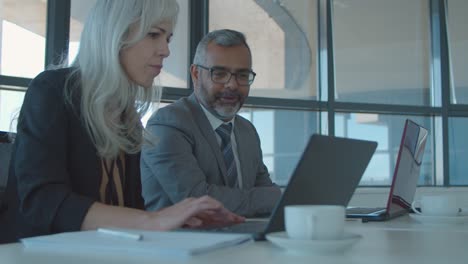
(382, 51)
(10, 105)
(175, 71)
(22, 37)
(382, 54)
(458, 151)
(387, 130)
(457, 23)
(154, 108)
(284, 135)
(282, 36)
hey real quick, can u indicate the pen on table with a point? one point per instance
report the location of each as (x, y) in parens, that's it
(121, 234)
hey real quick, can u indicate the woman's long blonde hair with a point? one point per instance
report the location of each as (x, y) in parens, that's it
(111, 105)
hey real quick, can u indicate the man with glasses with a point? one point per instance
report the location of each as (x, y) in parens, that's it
(204, 147)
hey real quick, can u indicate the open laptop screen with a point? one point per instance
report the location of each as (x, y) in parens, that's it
(407, 168)
(327, 173)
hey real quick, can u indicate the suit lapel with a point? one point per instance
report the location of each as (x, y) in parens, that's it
(207, 132)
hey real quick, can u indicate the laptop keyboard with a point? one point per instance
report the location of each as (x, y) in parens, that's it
(363, 210)
(246, 227)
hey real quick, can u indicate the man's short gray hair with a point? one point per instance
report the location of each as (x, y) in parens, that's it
(222, 37)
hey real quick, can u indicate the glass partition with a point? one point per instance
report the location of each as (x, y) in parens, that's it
(382, 51)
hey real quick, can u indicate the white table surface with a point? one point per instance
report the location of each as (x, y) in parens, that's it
(398, 241)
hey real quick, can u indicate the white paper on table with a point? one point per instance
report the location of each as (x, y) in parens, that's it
(153, 243)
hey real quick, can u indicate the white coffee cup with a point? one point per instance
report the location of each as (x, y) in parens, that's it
(314, 221)
(436, 205)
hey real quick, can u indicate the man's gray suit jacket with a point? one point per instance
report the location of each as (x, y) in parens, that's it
(187, 161)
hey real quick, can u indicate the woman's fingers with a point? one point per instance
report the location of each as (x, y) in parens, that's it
(212, 213)
(193, 222)
(196, 212)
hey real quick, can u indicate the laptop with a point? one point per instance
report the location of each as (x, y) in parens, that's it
(405, 177)
(327, 173)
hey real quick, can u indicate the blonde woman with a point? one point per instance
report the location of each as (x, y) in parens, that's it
(77, 149)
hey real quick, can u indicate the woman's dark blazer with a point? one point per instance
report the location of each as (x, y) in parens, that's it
(55, 164)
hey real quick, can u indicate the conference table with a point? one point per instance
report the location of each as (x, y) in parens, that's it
(401, 240)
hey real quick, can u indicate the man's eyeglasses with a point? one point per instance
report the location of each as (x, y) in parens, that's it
(223, 76)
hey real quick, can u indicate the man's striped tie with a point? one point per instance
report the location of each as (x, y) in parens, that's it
(224, 131)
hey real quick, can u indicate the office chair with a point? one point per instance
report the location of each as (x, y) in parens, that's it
(5, 155)
(7, 230)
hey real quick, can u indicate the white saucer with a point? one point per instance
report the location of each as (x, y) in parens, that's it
(322, 247)
(440, 220)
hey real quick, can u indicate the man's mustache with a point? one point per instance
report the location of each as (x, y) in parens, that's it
(228, 94)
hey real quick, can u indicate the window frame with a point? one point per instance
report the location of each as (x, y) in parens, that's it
(58, 26)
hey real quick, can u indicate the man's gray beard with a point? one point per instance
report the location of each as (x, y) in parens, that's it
(221, 111)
